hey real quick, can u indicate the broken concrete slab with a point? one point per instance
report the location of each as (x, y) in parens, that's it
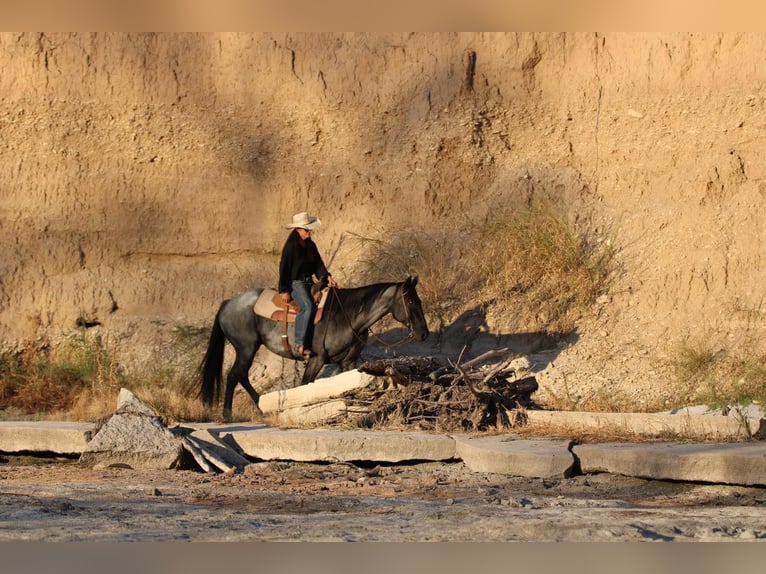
(516, 457)
(65, 438)
(208, 449)
(318, 391)
(332, 445)
(195, 450)
(133, 437)
(708, 427)
(726, 463)
(221, 430)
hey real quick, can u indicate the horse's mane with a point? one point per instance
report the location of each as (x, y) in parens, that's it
(355, 294)
(354, 300)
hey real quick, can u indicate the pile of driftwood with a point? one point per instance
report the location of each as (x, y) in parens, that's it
(420, 392)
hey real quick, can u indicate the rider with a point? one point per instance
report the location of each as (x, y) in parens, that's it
(300, 260)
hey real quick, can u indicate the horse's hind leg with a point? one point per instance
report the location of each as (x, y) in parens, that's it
(239, 374)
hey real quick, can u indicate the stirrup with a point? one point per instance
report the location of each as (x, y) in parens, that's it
(304, 353)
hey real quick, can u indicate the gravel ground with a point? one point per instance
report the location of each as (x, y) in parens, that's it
(58, 500)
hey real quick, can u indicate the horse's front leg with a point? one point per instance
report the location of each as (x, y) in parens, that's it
(252, 392)
(349, 358)
(313, 367)
(231, 384)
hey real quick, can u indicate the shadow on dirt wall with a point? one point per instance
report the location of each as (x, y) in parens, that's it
(468, 337)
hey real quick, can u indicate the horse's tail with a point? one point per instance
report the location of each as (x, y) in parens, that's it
(211, 368)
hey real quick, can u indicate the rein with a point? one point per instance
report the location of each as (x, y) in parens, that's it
(406, 338)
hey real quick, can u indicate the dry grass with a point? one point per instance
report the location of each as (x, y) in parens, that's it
(440, 258)
(613, 433)
(720, 377)
(80, 378)
(600, 400)
(531, 260)
(48, 380)
(168, 381)
(723, 371)
(525, 262)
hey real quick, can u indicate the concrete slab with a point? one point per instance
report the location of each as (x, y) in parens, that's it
(216, 450)
(319, 390)
(333, 445)
(729, 463)
(221, 430)
(44, 436)
(516, 457)
(310, 414)
(708, 427)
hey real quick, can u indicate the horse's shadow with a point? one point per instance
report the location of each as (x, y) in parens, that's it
(469, 336)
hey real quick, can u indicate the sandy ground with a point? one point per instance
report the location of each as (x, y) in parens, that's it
(58, 500)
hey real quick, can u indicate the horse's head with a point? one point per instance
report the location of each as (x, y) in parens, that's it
(408, 309)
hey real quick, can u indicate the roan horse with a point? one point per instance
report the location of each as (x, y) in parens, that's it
(338, 337)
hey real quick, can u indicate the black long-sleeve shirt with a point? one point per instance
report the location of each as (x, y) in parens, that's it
(300, 259)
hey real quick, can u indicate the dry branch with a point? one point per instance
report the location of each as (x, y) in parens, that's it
(421, 392)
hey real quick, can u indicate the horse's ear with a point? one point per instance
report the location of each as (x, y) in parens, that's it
(411, 281)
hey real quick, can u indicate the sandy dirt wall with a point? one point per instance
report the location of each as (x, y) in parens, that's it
(150, 175)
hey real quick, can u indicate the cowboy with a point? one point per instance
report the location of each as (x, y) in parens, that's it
(300, 261)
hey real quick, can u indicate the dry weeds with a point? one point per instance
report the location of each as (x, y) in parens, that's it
(524, 262)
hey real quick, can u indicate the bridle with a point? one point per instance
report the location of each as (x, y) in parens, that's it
(407, 318)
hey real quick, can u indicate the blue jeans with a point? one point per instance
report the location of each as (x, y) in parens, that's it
(301, 292)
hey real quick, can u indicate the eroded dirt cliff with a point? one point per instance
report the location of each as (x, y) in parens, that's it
(146, 177)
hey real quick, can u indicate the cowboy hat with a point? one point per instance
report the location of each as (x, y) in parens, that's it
(304, 221)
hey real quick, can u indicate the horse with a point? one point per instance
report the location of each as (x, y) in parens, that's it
(338, 337)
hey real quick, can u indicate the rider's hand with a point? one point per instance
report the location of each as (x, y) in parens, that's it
(332, 282)
(285, 297)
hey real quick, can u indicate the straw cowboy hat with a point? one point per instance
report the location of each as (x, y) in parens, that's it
(304, 220)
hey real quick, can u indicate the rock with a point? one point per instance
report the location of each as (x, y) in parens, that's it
(750, 411)
(134, 436)
(693, 410)
(128, 403)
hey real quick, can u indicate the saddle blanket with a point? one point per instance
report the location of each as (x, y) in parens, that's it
(269, 304)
